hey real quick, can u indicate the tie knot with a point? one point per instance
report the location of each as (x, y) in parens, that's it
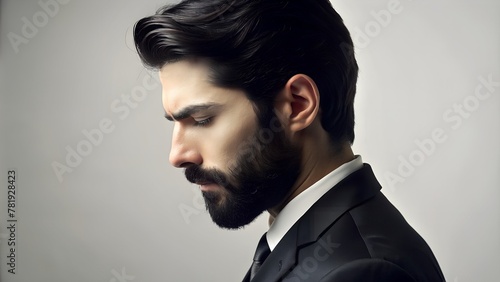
(262, 250)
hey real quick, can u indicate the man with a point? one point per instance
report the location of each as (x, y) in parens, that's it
(261, 94)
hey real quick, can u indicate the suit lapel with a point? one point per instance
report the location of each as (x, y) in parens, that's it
(350, 192)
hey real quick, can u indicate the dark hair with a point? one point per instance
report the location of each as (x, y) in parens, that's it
(257, 46)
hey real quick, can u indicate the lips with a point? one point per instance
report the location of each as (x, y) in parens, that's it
(202, 182)
(209, 187)
(199, 176)
(205, 184)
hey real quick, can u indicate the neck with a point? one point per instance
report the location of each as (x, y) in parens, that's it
(316, 165)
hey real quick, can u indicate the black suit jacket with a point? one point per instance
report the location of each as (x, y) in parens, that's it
(352, 233)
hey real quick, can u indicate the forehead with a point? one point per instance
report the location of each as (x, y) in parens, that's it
(182, 72)
(180, 79)
(186, 83)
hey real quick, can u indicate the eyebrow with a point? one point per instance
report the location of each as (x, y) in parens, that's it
(191, 110)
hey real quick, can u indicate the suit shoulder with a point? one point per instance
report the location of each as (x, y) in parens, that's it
(370, 239)
(368, 270)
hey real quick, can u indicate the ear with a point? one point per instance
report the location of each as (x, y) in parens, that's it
(297, 104)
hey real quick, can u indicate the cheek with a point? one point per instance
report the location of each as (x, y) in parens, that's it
(229, 137)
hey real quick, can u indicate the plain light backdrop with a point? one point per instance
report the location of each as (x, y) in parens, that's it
(426, 121)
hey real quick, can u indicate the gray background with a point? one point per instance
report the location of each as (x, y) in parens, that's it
(117, 214)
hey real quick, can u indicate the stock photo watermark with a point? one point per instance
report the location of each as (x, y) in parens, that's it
(454, 117)
(121, 276)
(31, 26)
(11, 221)
(121, 108)
(310, 264)
(196, 207)
(363, 36)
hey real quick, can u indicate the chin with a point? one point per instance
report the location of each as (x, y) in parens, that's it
(230, 214)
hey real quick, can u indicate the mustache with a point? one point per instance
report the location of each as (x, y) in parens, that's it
(198, 175)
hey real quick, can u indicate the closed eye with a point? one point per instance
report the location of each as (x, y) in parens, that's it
(203, 122)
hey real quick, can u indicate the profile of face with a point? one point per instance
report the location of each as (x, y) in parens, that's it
(243, 166)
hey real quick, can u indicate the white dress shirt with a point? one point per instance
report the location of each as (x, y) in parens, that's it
(302, 202)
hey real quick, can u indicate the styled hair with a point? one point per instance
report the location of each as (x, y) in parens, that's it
(257, 46)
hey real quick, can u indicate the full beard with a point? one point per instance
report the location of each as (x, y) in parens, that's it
(260, 177)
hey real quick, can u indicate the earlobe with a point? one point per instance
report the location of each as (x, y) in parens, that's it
(304, 102)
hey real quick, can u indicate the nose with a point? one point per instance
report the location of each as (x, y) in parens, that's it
(184, 150)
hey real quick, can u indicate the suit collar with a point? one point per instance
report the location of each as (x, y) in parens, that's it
(355, 189)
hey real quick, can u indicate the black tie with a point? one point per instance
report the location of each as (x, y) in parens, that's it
(261, 254)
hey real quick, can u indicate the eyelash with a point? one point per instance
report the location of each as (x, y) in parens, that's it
(203, 123)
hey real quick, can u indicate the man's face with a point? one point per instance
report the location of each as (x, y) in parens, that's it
(241, 167)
